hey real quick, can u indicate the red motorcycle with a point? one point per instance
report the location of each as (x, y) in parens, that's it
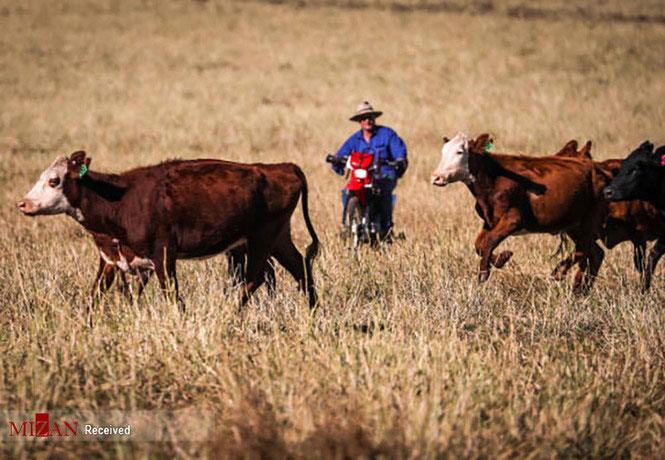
(361, 218)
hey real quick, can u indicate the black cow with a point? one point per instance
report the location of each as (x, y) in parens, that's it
(642, 177)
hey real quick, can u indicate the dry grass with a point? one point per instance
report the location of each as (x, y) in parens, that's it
(408, 356)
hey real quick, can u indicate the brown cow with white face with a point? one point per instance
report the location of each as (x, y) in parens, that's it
(186, 209)
(516, 194)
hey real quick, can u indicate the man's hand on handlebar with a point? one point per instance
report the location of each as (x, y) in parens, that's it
(400, 166)
(335, 160)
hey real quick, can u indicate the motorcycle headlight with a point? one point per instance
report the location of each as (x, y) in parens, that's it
(360, 173)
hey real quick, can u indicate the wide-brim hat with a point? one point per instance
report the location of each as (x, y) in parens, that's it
(364, 109)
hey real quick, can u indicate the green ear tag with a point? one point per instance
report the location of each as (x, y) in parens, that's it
(489, 146)
(83, 170)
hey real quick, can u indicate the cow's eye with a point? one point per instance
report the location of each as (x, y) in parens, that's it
(54, 182)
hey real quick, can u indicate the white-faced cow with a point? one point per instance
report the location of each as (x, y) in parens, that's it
(186, 209)
(520, 194)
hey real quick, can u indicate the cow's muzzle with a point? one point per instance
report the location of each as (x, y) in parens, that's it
(27, 207)
(608, 193)
(439, 181)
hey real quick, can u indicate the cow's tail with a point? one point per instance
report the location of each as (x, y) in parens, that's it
(313, 249)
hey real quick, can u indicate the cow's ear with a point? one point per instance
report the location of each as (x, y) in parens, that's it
(646, 145)
(571, 145)
(586, 150)
(77, 164)
(569, 149)
(481, 144)
(659, 153)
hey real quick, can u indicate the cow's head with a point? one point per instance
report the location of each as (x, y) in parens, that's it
(454, 164)
(48, 195)
(637, 178)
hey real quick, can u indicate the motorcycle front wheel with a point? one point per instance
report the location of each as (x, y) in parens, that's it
(354, 217)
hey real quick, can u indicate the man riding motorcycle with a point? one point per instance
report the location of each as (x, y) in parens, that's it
(389, 157)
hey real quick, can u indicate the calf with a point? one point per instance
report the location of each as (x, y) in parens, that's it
(641, 176)
(635, 221)
(516, 194)
(117, 258)
(186, 209)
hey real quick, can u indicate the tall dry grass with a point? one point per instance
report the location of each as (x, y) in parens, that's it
(407, 356)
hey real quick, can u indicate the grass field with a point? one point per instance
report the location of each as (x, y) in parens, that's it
(408, 356)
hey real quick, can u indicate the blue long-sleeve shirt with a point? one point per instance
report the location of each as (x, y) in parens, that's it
(384, 141)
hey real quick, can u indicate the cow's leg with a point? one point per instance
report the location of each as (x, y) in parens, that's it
(257, 256)
(565, 265)
(592, 255)
(144, 277)
(498, 260)
(581, 258)
(125, 287)
(639, 250)
(103, 279)
(588, 266)
(237, 258)
(170, 265)
(562, 268)
(654, 256)
(508, 223)
(595, 261)
(293, 261)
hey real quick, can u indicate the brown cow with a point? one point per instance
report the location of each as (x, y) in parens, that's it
(635, 221)
(186, 209)
(516, 194)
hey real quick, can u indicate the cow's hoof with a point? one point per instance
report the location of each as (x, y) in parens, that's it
(557, 274)
(483, 275)
(502, 259)
(581, 289)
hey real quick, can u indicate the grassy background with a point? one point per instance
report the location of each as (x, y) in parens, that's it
(408, 356)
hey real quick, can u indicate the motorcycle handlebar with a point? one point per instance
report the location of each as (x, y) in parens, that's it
(342, 161)
(333, 159)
